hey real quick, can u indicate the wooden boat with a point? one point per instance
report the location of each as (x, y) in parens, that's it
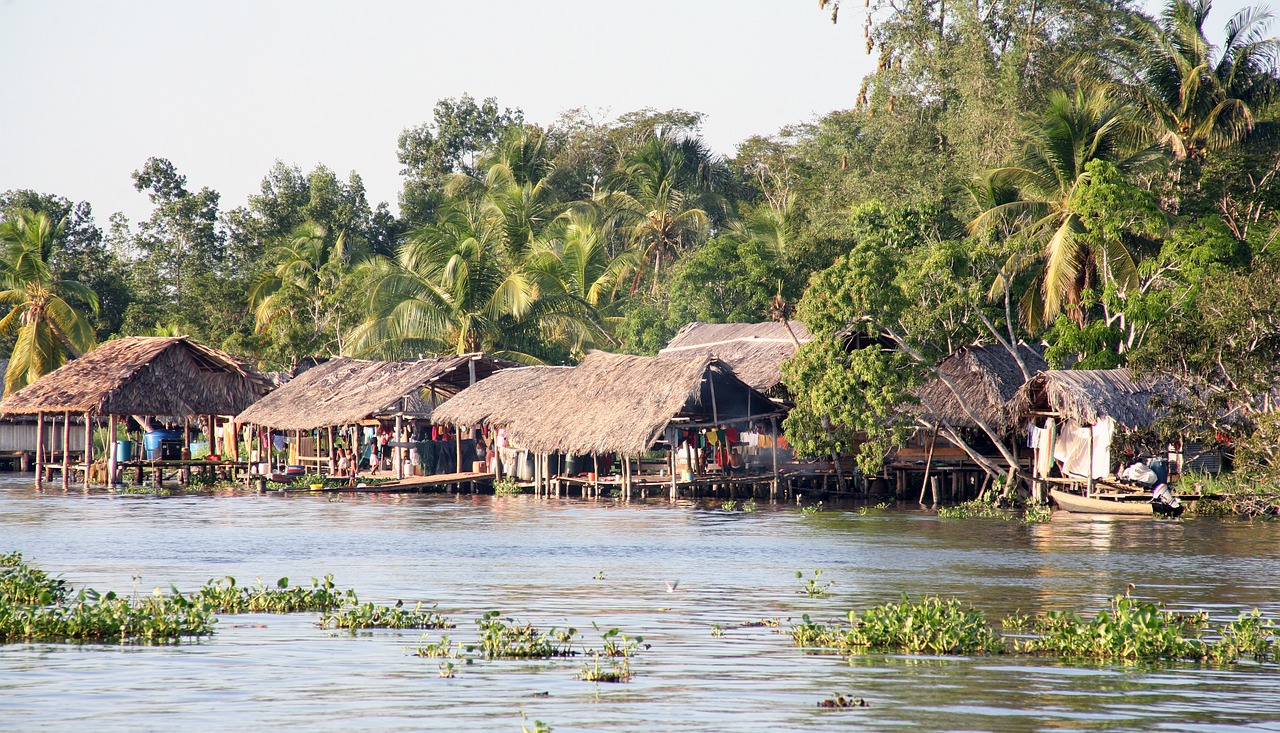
(1138, 505)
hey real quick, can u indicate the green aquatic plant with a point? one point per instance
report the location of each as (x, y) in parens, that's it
(615, 671)
(840, 700)
(813, 587)
(447, 670)
(618, 644)
(973, 508)
(225, 596)
(930, 626)
(811, 509)
(1036, 513)
(506, 486)
(23, 584)
(438, 649)
(538, 725)
(729, 505)
(504, 638)
(369, 616)
(107, 619)
(749, 506)
(1132, 629)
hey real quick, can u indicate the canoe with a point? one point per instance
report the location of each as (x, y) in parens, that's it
(1076, 504)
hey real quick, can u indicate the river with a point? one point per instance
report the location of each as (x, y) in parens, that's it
(570, 562)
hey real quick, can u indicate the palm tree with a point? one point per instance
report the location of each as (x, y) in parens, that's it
(1196, 97)
(1037, 199)
(574, 270)
(49, 329)
(667, 191)
(450, 289)
(311, 269)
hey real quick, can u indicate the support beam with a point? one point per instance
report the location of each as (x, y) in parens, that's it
(88, 447)
(185, 475)
(112, 458)
(66, 450)
(40, 449)
(773, 426)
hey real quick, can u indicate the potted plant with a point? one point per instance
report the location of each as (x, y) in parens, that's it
(314, 480)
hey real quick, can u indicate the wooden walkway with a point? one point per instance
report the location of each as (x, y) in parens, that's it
(401, 486)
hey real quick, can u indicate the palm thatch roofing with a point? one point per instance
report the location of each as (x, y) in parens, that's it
(144, 376)
(755, 351)
(345, 391)
(987, 377)
(1088, 395)
(609, 402)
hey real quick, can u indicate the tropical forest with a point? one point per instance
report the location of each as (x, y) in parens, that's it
(1075, 174)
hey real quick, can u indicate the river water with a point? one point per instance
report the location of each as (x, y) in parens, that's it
(568, 562)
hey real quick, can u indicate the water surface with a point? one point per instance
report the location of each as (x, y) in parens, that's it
(538, 560)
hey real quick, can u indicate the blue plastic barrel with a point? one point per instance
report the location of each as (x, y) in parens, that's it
(124, 451)
(151, 441)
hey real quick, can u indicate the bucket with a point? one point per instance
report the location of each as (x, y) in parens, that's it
(124, 451)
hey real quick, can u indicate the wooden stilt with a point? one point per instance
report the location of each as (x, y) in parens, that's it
(88, 447)
(928, 462)
(671, 466)
(185, 475)
(112, 458)
(40, 454)
(333, 466)
(773, 425)
(399, 452)
(66, 450)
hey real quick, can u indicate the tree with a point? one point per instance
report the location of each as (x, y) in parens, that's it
(1196, 98)
(305, 299)
(49, 328)
(1038, 199)
(451, 143)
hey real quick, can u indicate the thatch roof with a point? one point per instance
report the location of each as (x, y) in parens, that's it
(755, 351)
(144, 376)
(609, 402)
(346, 391)
(1087, 395)
(987, 377)
(499, 400)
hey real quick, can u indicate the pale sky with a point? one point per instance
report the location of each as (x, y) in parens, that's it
(223, 89)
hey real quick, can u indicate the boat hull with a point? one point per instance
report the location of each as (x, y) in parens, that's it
(1077, 504)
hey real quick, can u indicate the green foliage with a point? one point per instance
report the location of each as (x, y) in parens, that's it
(814, 587)
(22, 584)
(929, 626)
(355, 616)
(506, 486)
(503, 638)
(225, 596)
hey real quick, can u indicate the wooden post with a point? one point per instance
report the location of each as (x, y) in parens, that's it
(671, 466)
(66, 449)
(112, 458)
(773, 425)
(928, 461)
(1090, 490)
(39, 449)
(185, 476)
(88, 446)
(457, 445)
(398, 453)
(332, 466)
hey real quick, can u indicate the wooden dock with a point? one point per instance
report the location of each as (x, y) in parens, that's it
(406, 485)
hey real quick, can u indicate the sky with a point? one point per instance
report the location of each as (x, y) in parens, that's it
(223, 89)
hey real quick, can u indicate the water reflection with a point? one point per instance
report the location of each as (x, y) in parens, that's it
(539, 559)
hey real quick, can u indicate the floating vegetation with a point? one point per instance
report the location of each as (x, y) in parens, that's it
(615, 671)
(716, 631)
(504, 638)
(538, 725)
(224, 596)
(864, 511)
(618, 644)
(23, 584)
(599, 575)
(447, 670)
(506, 487)
(749, 506)
(843, 701)
(368, 616)
(1036, 513)
(811, 508)
(729, 505)
(439, 649)
(973, 508)
(1130, 630)
(929, 626)
(108, 619)
(813, 587)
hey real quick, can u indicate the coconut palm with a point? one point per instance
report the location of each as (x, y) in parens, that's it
(301, 290)
(450, 289)
(1195, 97)
(49, 329)
(667, 191)
(1036, 199)
(573, 268)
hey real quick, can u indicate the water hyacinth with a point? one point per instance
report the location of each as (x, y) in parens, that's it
(504, 638)
(23, 584)
(90, 617)
(368, 616)
(225, 596)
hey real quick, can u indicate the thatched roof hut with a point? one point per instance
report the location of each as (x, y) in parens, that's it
(1086, 396)
(987, 377)
(614, 402)
(755, 351)
(144, 376)
(345, 391)
(500, 400)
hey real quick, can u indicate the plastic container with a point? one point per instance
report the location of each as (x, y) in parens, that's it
(152, 440)
(124, 451)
